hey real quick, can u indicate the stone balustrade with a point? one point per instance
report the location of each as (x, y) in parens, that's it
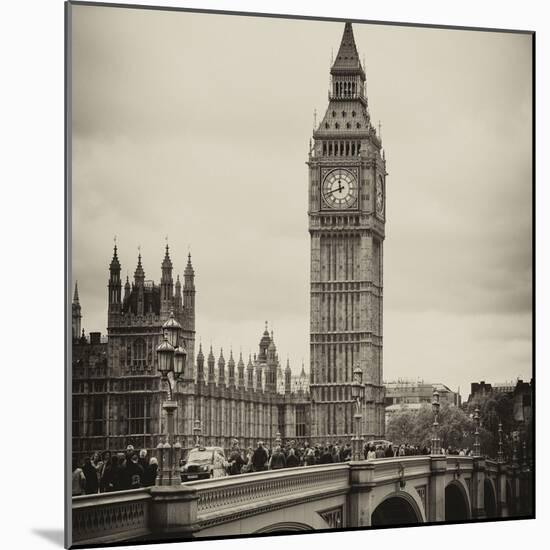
(231, 498)
(111, 517)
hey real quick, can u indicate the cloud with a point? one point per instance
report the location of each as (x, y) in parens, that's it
(197, 126)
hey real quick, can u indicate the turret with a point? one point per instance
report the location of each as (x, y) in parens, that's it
(139, 282)
(264, 344)
(76, 314)
(211, 367)
(240, 370)
(231, 370)
(259, 382)
(115, 288)
(250, 374)
(221, 369)
(166, 286)
(189, 295)
(200, 365)
(127, 289)
(288, 378)
(178, 303)
(271, 372)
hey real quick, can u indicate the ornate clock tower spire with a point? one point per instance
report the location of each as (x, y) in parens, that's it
(347, 176)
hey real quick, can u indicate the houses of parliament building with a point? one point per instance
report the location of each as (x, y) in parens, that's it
(117, 389)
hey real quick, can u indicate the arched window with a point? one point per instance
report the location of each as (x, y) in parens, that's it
(358, 125)
(333, 113)
(343, 114)
(353, 113)
(327, 125)
(348, 125)
(337, 125)
(139, 351)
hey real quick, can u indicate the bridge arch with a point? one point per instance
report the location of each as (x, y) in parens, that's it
(457, 502)
(398, 508)
(489, 499)
(286, 526)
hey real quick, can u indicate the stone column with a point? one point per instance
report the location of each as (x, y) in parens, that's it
(173, 512)
(360, 495)
(478, 488)
(515, 490)
(502, 505)
(436, 492)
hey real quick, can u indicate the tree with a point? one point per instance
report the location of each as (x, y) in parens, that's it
(400, 426)
(456, 428)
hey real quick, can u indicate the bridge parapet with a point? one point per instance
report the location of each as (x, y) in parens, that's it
(111, 517)
(235, 497)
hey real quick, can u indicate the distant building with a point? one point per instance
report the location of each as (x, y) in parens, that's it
(408, 391)
(520, 392)
(412, 395)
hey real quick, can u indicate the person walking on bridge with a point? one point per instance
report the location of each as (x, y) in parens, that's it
(259, 458)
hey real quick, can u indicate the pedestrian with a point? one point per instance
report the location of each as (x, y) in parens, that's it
(389, 451)
(346, 453)
(326, 457)
(309, 458)
(133, 473)
(79, 480)
(292, 461)
(278, 460)
(379, 453)
(371, 454)
(110, 480)
(150, 473)
(259, 458)
(236, 461)
(90, 473)
(143, 459)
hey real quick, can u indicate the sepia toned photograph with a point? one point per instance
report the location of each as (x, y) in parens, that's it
(300, 291)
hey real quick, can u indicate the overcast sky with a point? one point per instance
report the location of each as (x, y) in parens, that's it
(197, 126)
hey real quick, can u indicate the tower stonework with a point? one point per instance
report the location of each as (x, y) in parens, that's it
(347, 176)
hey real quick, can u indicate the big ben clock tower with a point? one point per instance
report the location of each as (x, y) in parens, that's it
(347, 179)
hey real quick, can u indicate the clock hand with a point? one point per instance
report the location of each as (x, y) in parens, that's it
(334, 190)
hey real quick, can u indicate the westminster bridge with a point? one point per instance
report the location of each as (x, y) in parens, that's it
(386, 491)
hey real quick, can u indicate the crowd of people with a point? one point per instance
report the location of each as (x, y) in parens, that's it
(107, 472)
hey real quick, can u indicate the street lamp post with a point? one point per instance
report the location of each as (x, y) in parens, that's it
(357, 393)
(197, 432)
(500, 454)
(477, 444)
(436, 442)
(514, 450)
(171, 359)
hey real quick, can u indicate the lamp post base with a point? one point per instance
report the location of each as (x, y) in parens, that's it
(169, 455)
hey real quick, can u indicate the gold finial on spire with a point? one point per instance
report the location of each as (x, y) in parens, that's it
(380, 130)
(314, 118)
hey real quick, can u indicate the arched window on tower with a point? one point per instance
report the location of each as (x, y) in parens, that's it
(139, 351)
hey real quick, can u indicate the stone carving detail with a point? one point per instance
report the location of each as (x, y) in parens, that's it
(334, 517)
(421, 490)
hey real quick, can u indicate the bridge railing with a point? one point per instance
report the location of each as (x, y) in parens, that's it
(223, 499)
(111, 517)
(392, 469)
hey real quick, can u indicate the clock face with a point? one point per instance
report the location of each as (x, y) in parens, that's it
(380, 195)
(340, 189)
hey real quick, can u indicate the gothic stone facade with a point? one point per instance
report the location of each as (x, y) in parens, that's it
(347, 176)
(118, 392)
